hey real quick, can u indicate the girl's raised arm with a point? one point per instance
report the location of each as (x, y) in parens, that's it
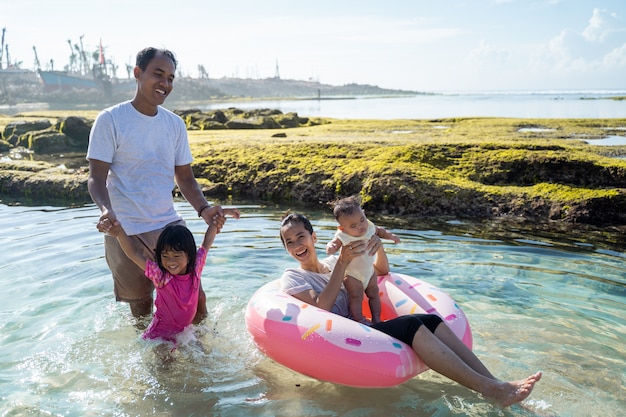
(134, 253)
(211, 231)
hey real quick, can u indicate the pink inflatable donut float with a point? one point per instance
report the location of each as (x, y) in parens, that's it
(328, 347)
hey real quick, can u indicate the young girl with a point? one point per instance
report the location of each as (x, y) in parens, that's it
(176, 276)
(362, 273)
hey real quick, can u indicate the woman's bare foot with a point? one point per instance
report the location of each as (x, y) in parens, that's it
(509, 393)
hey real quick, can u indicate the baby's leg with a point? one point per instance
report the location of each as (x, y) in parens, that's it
(355, 292)
(374, 298)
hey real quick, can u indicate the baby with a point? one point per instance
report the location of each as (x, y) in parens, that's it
(361, 273)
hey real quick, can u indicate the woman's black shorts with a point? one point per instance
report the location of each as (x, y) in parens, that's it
(404, 327)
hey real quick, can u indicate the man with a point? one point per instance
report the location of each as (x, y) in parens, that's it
(137, 152)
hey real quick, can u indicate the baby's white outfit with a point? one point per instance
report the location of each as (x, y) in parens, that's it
(361, 267)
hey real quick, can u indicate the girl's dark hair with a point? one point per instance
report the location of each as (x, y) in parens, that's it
(177, 238)
(145, 56)
(295, 218)
(346, 206)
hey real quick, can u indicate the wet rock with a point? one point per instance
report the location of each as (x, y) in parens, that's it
(47, 142)
(254, 122)
(234, 118)
(77, 128)
(19, 127)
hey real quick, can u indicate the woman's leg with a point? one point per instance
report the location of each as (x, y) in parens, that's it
(445, 334)
(441, 358)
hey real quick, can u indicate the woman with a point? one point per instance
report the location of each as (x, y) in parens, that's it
(319, 283)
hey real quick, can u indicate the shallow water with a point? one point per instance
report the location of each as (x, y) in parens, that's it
(546, 104)
(69, 349)
(522, 104)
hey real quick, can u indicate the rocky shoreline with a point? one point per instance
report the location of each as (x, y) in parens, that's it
(480, 169)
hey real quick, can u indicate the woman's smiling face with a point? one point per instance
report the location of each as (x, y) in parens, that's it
(299, 242)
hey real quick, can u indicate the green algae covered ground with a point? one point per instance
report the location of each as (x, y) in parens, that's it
(478, 168)
(474, 167)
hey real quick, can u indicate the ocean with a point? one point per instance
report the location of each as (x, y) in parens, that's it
(555, 304)
(531, 104)
(542, 104)
(534, 303)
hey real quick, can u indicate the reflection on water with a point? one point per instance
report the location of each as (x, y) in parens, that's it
(532, 105)
(609, 141)
(538, 104)
(535, 303)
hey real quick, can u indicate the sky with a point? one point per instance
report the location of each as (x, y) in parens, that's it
(416, 45)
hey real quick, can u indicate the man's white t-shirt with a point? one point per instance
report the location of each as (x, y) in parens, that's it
(143, 152)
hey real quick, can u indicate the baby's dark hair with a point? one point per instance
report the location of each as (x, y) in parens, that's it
(290, 218)
(346, 206)
(177, 238)
(145, 56)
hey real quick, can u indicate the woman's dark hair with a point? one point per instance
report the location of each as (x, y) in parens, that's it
(295, 218)
(177, 238)
(145, 56)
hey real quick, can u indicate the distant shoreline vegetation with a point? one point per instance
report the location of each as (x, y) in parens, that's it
(525, 170)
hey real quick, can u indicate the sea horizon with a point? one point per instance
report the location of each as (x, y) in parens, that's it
(554, 103)
(557, 104)
(598, 91)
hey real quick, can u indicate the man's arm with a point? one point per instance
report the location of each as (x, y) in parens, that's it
(189, 187)
(96, 184)
(192, 192)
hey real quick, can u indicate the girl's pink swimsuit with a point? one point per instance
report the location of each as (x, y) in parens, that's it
(176, 299)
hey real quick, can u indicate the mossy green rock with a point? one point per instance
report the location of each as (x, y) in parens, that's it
(478, 168)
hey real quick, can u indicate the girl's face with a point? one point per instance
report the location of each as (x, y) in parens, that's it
(299, 242)
(175, 262)
(354, 224)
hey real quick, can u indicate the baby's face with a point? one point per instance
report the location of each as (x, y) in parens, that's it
(354, 224)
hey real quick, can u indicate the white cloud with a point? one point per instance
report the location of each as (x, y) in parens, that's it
(602, 25)
(616, 58)
(489, 56)
(600, 47)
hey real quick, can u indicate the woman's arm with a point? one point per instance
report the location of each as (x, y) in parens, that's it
(326, 299)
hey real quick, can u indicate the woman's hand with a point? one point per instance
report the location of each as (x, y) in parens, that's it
(373, 245)
(358, 248)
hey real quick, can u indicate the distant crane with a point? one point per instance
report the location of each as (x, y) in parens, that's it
(83, 58)
(6, 50)
(72, 57)
(37, 65)
(277, 75)
(2, 49)
(203, 72)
